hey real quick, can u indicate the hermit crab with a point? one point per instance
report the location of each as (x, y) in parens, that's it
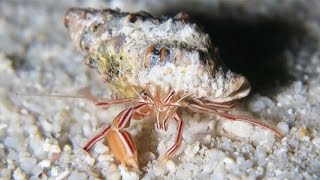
(160, 66)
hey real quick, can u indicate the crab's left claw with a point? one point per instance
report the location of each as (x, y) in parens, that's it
(123, 147)
(120, 141)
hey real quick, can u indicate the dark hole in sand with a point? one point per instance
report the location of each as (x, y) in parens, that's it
(254, 47)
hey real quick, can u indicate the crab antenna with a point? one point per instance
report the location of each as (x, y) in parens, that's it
(51, 95)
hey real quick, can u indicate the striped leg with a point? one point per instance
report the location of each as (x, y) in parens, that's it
(177, 143)
(163, 116)
(119, 140)
(232, 117)
(97, 138)
(105, 131)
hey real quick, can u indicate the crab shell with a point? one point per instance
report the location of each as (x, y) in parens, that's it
(138, 51)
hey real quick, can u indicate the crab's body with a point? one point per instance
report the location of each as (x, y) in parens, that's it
(170, 61)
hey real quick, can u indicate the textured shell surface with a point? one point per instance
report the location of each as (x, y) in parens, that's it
(138, 51)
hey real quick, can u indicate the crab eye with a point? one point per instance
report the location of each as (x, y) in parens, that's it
(173, 93)
(143, 93)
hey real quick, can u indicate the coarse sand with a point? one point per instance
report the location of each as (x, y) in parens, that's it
(41, 136)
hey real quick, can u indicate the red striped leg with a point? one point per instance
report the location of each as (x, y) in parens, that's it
(243, 118)
(177, 143)
(166, 101)
(210, 104)
(119, 140)
(226, 106)
(96, 138)
(123, 147)
(141, 111)
(105, 131)
(251, 121)
(162, 118)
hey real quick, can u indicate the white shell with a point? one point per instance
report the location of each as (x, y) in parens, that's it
(128, 50)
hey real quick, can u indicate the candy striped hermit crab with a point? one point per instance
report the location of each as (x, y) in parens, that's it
(160, 65)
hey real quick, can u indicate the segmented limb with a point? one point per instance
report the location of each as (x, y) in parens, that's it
(121, 119)
(119, 140)
(225, 106)
(163, 115)
(177, 143)
(105, 131)
(162, 119)
(242, 118)
(117, 101)
(210, 104)
(96, 138)
(168, 98)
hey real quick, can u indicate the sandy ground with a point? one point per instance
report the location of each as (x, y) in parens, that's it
(276, 45)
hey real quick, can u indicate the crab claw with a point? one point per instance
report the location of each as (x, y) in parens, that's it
(119, 140)
(123, 147)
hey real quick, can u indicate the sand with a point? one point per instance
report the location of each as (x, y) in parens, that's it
(276, 45)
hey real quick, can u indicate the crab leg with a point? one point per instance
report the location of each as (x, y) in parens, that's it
(103, 133)
(243, 118)
(211, 104)
(226, 106)
(119, 140)
(177, 143)
(96, 138)
(169, 97)
(166, 114)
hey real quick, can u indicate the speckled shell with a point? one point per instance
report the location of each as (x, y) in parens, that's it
(140, 51)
